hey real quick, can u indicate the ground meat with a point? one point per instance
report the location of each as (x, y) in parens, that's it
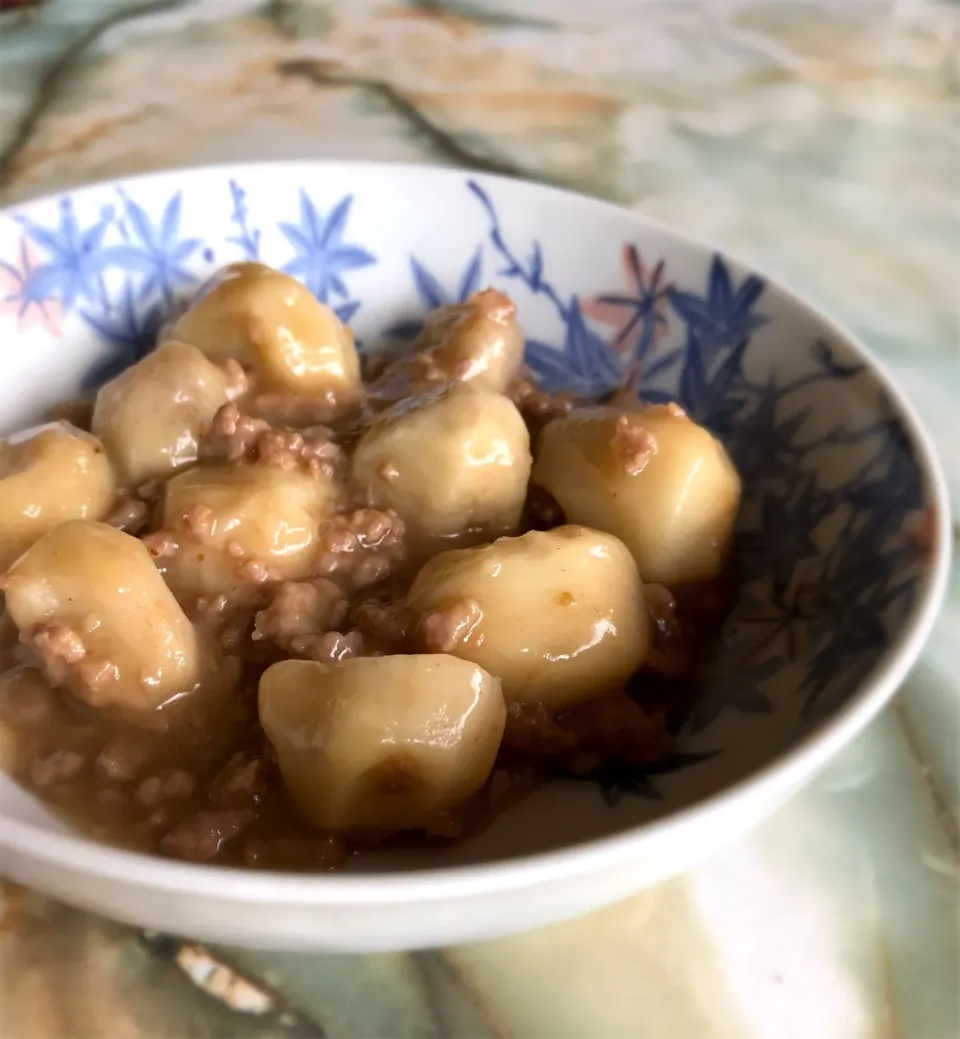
(161, 817)
(66, 662)
(532, 731)
(610, 729)
(614, 728)
(634, 446)
(59, 649)
(199, 837)
(441, 631)
(339, 539)
(371, 570)
(161, 544)
(174, 784)
(332, 559)
(130, 515)
(198, 780)
(57, 767)
(26, 704)
(375, 529)
(314, 449)
(254, 572)
(362, 548)
(237, 380)
(537, 406)
(300, 608)
(238, 437)
(200, 521)
(92, 675)
(211, 606)
(328, 647)
(122, 759)
(384, 623)
(109, 800)
(58, 642)
(302, 618)
(234, 549)
(241, 782)
(224, 620)
(507, 785)
(232, 436)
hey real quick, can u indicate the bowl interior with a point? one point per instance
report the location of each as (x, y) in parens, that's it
(834, 548)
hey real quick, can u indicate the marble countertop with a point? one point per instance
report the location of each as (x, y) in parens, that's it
(819, 139)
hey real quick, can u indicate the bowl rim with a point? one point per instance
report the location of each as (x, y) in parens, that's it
(78, 853)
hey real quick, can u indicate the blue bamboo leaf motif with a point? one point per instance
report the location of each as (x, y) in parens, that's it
(655, 395)
(823, 353)
(536, 267)
(764, 432)
(766, 447)
(585, 364)
(322, 257)
(741, 689)
(694, 389)
(550, 365)
(346, 311)
(74, 258)
(156, 253)
(432, 294)
(581, 353)
(660, 366)
(130, 329)
(248, 238)
(827, 606)
(428, 287)
(470, 279)
(616, 780)
(786, 534)
(644, 308)
(529, 273)
(899, 489)
(591, 365)
(724, 317)
(34, 286)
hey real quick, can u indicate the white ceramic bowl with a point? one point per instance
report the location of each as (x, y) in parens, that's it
(843, 542)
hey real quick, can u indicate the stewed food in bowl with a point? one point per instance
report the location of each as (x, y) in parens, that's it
(268, 606)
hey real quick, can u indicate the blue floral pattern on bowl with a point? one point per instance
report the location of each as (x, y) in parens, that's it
(827, 568)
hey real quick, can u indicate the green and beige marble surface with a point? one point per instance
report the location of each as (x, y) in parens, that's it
(819, 139)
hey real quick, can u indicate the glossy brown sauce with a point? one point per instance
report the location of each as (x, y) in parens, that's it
(202, 784)
(198, 779)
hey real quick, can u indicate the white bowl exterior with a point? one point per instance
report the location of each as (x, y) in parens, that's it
(309, 919)
(408, 238)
